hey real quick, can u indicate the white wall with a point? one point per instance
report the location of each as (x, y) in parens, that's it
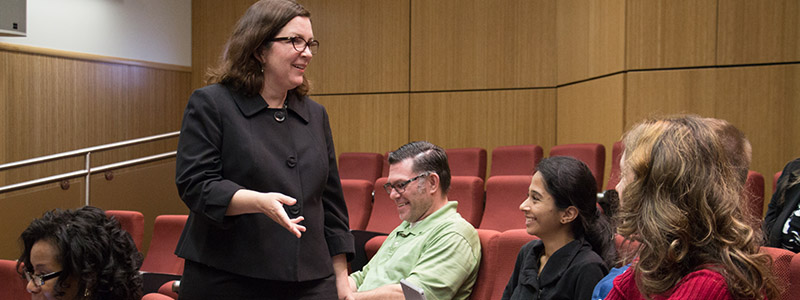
(149, 30)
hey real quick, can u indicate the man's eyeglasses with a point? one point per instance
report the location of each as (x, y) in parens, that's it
(401, 187)
(300, 44)
(38, 280)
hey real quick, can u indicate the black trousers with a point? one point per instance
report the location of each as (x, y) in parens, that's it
(203, 282)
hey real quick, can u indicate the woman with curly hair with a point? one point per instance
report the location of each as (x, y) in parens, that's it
(80, 254)
(681, 199)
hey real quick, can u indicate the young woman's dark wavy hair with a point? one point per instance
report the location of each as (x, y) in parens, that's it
(238, 67)
(571, 183)
(683, 204)
(92, 247)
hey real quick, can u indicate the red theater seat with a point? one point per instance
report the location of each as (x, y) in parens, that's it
(358, 195)
(503, 255)
(132, 222)
(504, 194)
(754, 196)
(593, 155)
(486, 274)
(384, 217)
(616, 155)
(12, 286)
(515, 160)
(467, 162)
(468, 192)
(360, 165)
(781, 268)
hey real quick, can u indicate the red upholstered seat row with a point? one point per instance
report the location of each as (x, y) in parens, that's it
(499, 253)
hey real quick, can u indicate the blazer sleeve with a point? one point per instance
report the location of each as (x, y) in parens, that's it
(198, 171)
(337, 228)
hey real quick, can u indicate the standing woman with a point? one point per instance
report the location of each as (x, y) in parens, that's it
(681, 199)
(257, 168)
(574, 247)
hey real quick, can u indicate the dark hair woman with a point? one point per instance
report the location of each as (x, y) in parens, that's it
(574, 247)
(257, 168)
(80, 254)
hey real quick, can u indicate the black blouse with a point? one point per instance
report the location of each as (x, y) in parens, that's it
(570, 273)
(229, 142)
(786, 213)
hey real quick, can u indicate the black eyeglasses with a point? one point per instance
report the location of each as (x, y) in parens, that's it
(401, 187)
(300, 44)
(38, 280)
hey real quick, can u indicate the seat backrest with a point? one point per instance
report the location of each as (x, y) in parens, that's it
(384, 217)
(467, 162)
(754, 195)
(132, 222)
(504, 194)
(468, 191)
(360, 165)
(775, 180)
(358, 195)
(12, 286)
(486, 274)
(161, 256)
(593, 155)
(504, 250)
(616, 155)
(373, 244)
(156, 296)
(385, 169)
(515, 160)
(781, 261)
(794, 280)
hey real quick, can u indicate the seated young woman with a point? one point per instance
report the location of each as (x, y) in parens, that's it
(681, 200)
(575, 244)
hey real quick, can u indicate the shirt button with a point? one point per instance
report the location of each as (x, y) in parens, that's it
(294, 209)
(291, 161)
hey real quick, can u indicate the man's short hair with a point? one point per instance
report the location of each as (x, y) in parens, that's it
(427, 157)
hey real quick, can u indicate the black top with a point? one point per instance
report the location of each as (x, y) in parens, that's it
(570, 273)
(230, 142)
(779, 214)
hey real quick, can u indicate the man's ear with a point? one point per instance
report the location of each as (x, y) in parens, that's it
(433, 181)
(569, 214)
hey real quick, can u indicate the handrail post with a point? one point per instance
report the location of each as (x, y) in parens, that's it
(88, 161)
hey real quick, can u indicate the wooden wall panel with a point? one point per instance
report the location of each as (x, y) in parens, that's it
(658, 93)
(480, 44)
(125, 192)
(591, 38)
(59, 104)
(758, 31)
(364, 46)
(4, 96)
(592, 112)
(486, 119)
(212, 23)
(764, 103)
(668, 34)
(18, 209)
(367, 123)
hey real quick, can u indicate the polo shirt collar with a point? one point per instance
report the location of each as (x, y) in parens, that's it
(429, 222)
(252, 105)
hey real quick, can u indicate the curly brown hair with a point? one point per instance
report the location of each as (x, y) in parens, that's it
(684, 205)
(238, 67)
(92, 247)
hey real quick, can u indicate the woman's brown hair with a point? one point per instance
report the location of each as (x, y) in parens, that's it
(684, 205)
(238, 67)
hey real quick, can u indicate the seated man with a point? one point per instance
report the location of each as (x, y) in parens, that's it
(434, 248)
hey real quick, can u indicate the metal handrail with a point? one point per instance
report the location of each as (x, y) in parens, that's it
(84, 151)
(88, 170)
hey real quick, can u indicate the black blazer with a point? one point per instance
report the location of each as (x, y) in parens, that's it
(229, 142)
(571, 273)
(778, 213)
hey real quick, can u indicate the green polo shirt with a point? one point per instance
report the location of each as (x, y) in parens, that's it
(440, 254)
